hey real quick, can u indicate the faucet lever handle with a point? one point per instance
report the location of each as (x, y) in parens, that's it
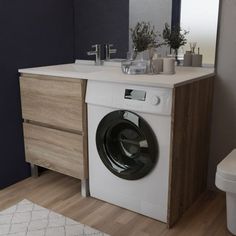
(112, 50)
(96, 46)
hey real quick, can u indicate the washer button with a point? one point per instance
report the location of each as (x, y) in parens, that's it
(155, 100)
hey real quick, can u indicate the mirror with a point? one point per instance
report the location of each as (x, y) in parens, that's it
(200, 18)
(202, 24)
(157, 12)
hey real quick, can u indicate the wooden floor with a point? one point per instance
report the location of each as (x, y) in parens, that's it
(62, 194)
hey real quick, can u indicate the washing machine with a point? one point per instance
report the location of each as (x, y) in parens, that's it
(129, 133)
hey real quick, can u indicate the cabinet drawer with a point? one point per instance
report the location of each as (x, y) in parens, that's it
(56, 150)
(58, 103)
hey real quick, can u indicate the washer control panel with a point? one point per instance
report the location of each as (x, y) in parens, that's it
(139, 98)
(145, 99)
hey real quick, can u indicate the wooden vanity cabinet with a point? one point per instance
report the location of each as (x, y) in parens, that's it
(55, 130)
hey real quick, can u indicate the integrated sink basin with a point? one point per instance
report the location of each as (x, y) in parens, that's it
(80, 68)
(87, 66)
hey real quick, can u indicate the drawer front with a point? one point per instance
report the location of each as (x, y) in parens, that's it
(56, 150)
(58, 103)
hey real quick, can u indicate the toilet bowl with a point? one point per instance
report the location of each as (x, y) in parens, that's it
(226, 181)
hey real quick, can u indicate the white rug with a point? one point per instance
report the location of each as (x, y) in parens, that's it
(29, 219)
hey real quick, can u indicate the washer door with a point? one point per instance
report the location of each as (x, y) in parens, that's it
(126, 145)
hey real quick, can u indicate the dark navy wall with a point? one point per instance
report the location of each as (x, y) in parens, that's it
(32, 33)
(101, 21)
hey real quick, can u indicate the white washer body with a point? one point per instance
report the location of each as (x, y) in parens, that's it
(148, 195)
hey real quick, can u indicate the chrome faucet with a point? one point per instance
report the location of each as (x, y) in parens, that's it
(97, 53)
(109, 51)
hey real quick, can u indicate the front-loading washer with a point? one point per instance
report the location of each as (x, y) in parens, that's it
(129, 133)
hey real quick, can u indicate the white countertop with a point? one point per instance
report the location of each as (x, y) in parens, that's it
(114, 74)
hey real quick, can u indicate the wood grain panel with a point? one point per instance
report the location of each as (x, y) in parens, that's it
(53, 102)
(50, 77)
(55, 150)
(191, 117)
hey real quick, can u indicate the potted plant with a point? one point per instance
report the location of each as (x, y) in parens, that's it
(144, 37)
(174, 37)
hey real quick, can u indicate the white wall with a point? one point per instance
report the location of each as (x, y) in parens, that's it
(200, 19)
(223, 137)
(157, 12)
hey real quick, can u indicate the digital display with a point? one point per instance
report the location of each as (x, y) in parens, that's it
(132, 94)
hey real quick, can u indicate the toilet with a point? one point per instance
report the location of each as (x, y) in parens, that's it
(226, 181)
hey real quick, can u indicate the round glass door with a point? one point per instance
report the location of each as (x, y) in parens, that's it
(126, 144)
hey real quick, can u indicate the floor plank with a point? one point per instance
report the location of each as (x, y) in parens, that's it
(207, 217)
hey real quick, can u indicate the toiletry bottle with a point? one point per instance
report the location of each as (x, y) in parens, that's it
(197, 59)
(188, 58)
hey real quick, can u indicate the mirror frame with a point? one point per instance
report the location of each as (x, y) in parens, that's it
(176, 12)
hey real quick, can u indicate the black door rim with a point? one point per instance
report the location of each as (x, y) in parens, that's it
(126, 145)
